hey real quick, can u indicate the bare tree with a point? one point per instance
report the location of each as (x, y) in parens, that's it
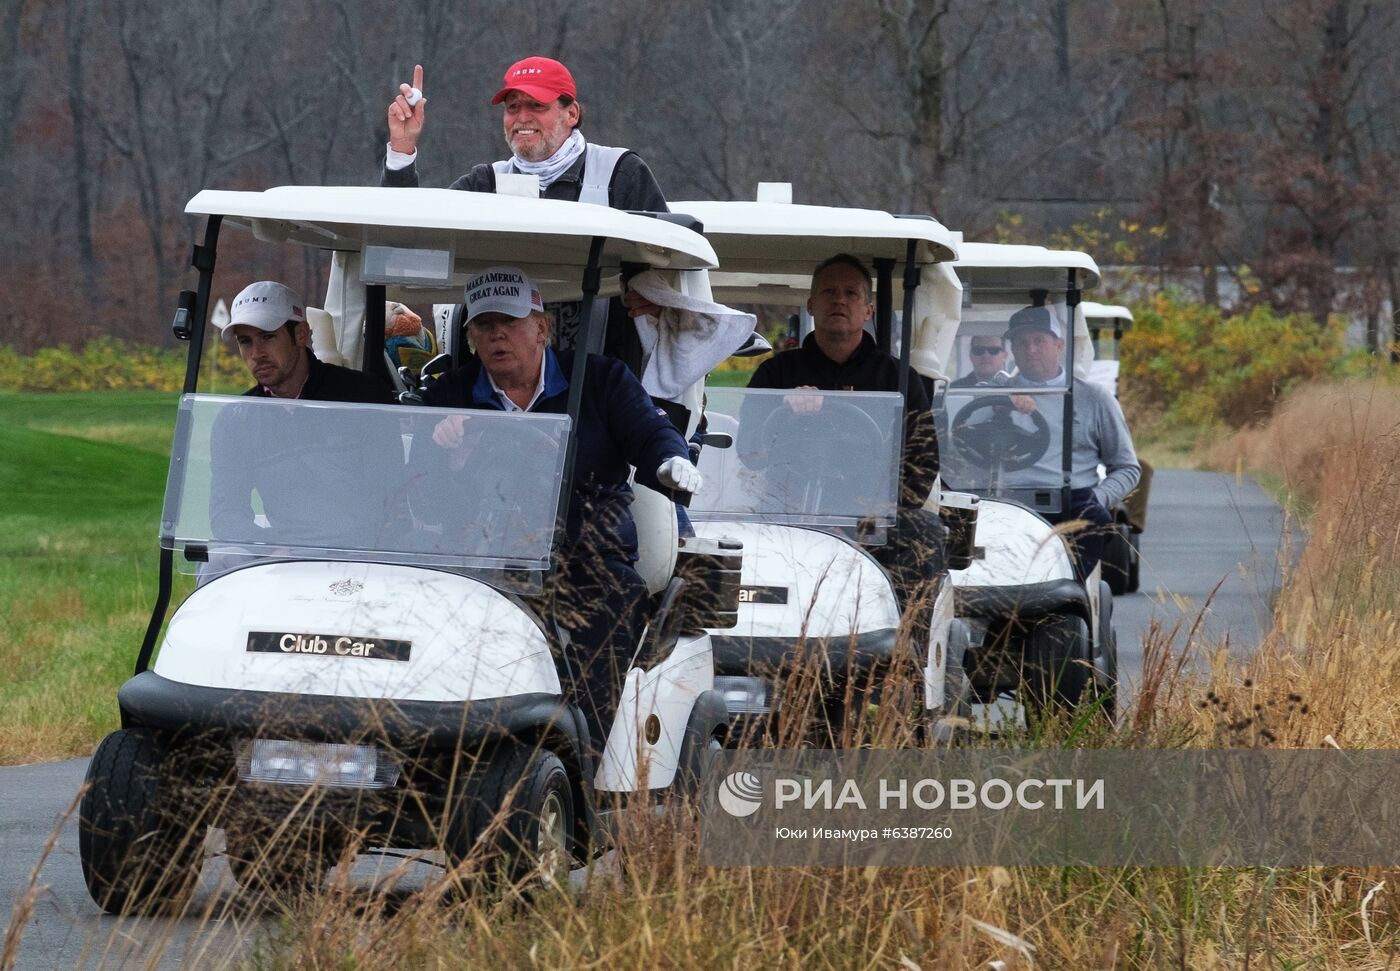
(75, 18)
(1195, 156)
(1304, 163)
(14, 69)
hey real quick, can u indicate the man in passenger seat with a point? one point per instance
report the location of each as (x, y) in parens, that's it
(285, 454)
(599, 598)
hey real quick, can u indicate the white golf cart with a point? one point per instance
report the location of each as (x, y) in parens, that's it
(368, 662)
(1041, 632)
(1106, 323)
(1121, 559)
(811, 486)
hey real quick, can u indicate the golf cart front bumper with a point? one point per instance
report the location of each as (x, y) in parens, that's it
(1023, 602)
(758, 670)
(156, 702)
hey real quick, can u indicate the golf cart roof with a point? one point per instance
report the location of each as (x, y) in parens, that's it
(1015, 266)
(480, 228)
(769, 249)
(1122, 316)
(776, 237)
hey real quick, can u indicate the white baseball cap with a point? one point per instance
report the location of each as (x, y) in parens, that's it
(503, 290)
(265, 305)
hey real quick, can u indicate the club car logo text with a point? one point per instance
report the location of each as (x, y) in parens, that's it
(328, 645)
(756, 594)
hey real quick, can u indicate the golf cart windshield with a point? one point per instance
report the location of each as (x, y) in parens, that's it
(1006, 406)
(259, 477)
(810, 458)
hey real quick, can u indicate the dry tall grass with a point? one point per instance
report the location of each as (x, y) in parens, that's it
(1329, 674)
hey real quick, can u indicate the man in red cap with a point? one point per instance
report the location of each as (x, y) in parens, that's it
(541, 125)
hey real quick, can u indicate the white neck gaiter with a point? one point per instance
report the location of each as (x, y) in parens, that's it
(556, 165)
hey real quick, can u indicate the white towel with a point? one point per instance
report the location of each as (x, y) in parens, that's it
(693, 335)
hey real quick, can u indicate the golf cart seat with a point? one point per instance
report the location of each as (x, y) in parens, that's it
(323, 342)
(658, 536)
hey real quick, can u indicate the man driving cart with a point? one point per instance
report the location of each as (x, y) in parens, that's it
(1100, 435)
(840, 355)
(600, 598)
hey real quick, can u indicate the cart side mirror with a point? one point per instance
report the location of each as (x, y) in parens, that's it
(755, 345)
(437, 366)
(958, 510)
(183, 324)
(717, 440)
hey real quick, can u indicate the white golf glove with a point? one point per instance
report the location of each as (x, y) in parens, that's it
(677, 473)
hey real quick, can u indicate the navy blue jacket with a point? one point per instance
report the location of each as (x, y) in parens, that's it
(618, 426)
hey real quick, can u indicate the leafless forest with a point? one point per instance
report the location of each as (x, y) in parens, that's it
(1255, 140)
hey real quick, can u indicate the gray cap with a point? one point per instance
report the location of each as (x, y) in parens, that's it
(1038, 318)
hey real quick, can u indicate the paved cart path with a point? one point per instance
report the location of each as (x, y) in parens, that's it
(1203, 528)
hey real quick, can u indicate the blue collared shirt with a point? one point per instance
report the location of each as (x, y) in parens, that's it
(487, 394)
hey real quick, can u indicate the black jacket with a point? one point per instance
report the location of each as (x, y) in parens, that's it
(328, 382)
(285, 454)
(868, 369)
(632, 187)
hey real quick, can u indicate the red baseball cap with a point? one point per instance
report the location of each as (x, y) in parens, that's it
(542, 78)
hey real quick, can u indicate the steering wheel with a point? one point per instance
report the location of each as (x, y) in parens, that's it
(478, 512)
(999, 441)
(821, 442)
(816, 462)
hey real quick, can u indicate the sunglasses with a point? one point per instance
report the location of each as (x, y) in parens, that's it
(977, 351)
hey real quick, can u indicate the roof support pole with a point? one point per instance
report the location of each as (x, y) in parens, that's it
(592, 280)
(1072, 297)
(372, 357)
(913, 273)
(202, 258)
(884, 302)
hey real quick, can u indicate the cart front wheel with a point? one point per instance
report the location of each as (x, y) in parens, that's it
(136, 855)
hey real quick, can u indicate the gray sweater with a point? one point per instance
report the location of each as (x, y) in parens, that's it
(1101, 437)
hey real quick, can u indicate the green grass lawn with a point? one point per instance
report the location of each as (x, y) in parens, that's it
(83, 477)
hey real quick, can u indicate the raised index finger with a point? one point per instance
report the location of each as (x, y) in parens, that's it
(418, 76)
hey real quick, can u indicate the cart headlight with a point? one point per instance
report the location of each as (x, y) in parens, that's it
(745, 696)
(286, 762)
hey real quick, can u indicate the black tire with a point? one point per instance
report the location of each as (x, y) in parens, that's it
(957, 684)
(1118, 559)
(137, 856)
(1057, 670)
(1106, 658)
(1135, 561)
(519, 816)
(705, 731)
(958, 694)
